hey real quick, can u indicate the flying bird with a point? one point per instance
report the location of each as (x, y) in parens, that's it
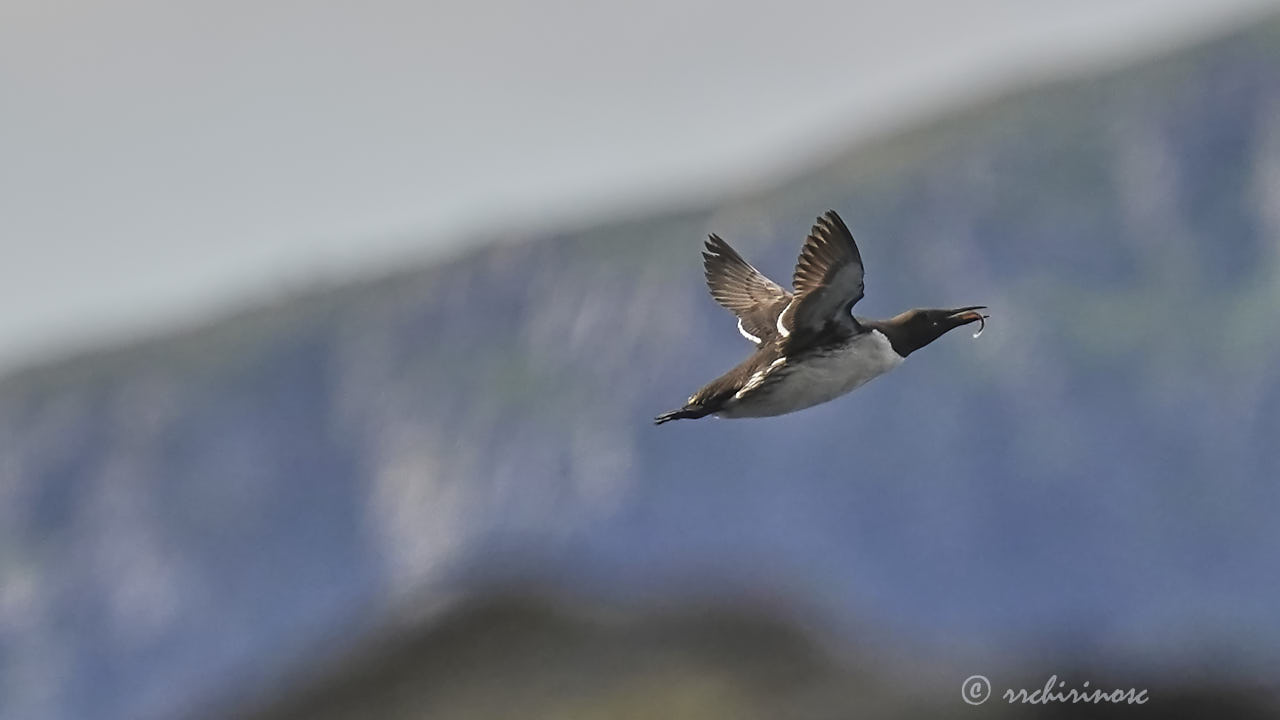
(810, 347)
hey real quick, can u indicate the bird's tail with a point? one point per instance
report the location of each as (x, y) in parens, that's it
(691, 411)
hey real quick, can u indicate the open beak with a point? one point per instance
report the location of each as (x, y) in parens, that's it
(966, 315)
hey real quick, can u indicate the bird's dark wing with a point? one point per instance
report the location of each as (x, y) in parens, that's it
(743, 290)
(828, 278)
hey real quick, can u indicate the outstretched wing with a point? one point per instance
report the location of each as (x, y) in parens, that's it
(828, 279)
(743, 290)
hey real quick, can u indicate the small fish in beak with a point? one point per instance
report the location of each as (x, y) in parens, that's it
(964, 316)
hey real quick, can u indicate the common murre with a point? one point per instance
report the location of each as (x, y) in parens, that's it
(810, 348)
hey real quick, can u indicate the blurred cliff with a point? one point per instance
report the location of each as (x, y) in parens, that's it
(511, 657)
(1091, 484)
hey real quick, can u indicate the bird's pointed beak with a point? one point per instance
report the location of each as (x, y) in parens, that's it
(966, 315)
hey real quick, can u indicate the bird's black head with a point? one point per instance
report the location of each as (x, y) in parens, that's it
(914, 329)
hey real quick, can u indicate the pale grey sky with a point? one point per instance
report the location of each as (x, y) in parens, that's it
(160, 161)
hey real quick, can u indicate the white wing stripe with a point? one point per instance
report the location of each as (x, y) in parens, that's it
(782, 329)
(758, 377)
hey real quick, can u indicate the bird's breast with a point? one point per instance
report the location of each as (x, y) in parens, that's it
(815, 377)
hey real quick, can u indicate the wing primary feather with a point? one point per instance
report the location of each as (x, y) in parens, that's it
(828, 277)
(743, 290)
